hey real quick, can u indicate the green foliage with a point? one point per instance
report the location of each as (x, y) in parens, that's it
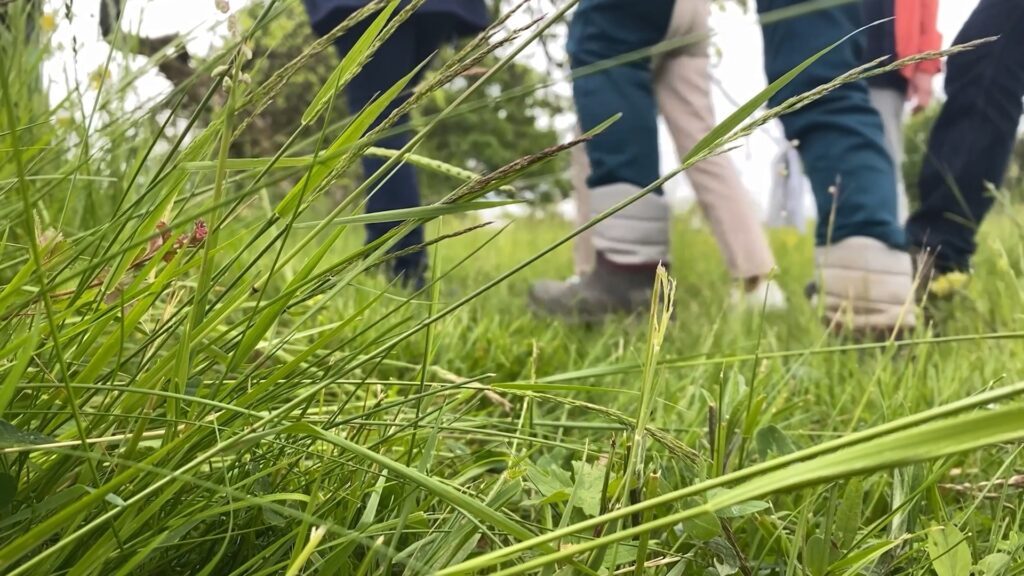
(509, 117)
(25, 50)
(281, 41)
(1015, 173)
(949, 552)
(198, 376)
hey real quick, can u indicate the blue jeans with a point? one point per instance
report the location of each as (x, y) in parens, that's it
(841, 139)
(412, 43)
(627, 152)
(973, 137)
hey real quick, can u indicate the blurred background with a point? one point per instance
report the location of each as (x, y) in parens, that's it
(535, 94)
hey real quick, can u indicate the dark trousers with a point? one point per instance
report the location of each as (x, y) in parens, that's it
(973, 137)
(841, 139)
(627, 152)
(412, 43)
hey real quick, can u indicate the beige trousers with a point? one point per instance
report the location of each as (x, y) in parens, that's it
(682, 85)
(890, 103)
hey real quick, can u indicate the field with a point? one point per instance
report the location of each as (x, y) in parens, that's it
(201, 373)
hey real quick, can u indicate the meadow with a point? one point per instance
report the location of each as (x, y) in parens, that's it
(201, 372)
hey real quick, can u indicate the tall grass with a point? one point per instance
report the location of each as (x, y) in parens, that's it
(200, 374)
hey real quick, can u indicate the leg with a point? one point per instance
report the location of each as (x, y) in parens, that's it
(684, 96)
(602, 30)
(583, 248)
(629, 245)
(890, 103)
(841, 136)
(395, 58)
(866, 280)
(592, 46)
(971, 142)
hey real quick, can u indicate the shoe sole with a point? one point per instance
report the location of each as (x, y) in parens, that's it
(869, 318)
(539, 307)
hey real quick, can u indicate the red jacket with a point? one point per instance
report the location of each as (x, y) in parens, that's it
(917, 32)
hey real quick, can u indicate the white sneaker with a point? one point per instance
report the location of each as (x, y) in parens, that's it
(866, 285)
(765, 295)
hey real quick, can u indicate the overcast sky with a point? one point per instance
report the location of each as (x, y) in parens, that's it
(740, 42)
(736, 34)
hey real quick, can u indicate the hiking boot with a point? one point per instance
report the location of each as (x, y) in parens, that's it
(405, 274)
(630, 244)
(866, 286)
(609, 289)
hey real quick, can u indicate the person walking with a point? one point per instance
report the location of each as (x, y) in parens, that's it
(682, 87)
(434, 23)
(971, 143)
(866, 275)
(901, 28)
(628, 246)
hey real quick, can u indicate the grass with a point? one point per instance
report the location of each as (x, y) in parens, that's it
(244, 396)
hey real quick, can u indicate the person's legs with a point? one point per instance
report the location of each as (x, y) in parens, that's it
(583, 247)
(398, 56)
(684, 95)
(602, 30)
(973, 137)
(840, 135)
(866, 279)
(631, 243)
(683, 90)
(890, 103)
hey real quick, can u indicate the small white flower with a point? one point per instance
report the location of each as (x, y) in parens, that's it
(222, 6)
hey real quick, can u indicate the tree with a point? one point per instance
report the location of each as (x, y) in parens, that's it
(507, 119)
(510, 117)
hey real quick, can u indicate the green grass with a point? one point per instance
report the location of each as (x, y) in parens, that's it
(252, 399)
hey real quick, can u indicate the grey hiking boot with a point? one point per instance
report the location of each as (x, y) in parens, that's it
(866, 286)
(608, 290)
(630, 244)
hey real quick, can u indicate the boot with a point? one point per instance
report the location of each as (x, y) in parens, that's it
(866, 286)
(609, 289)
(410, 273)
(629, 246)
